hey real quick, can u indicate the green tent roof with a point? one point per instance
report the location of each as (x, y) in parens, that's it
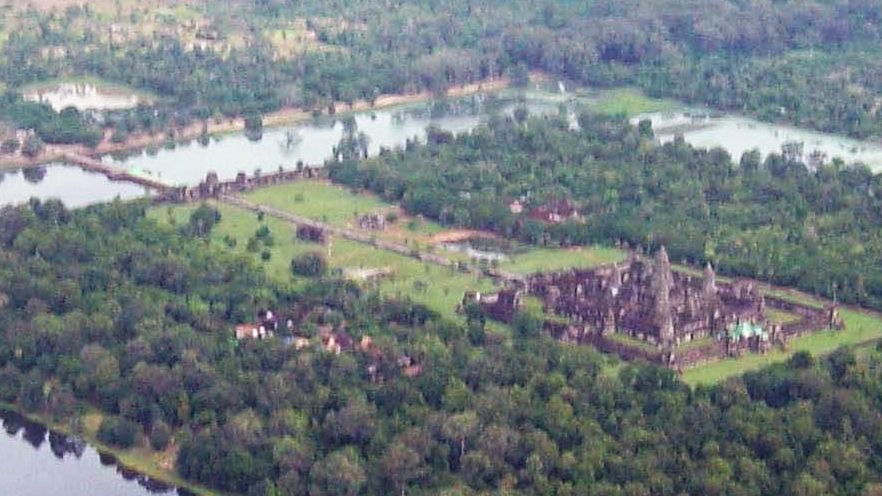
(745, 330)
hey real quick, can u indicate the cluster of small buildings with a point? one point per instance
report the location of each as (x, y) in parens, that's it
(552, 212)
(331, 339)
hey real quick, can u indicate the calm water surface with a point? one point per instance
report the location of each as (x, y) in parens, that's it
(72, 185)
(37, 462)
(83, 96)
(740, 134)
(314, 141)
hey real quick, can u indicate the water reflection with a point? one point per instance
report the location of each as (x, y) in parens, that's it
(39, 462)
(313, 142)
(83, 96)
(72, 185)
(34, 175)
(740, 134)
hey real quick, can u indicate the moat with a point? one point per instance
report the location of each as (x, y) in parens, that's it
(40, 462)
(312, 142)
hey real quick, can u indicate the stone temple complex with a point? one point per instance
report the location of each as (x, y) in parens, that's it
(641, 308)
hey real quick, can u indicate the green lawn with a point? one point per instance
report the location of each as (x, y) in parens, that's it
(548, 259)
(630, 102)
(337, 206)
(439, 288)
(860, 328)
(776, 316)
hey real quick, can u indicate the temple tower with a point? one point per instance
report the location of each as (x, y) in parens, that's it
(662, 281)
(710, 282)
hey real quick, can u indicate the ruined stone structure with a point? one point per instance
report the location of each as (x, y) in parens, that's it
(212, 187)
(642, 309)
(648, 301)
(499, 306)
(373, 221)
(554, 212)
(312, 234)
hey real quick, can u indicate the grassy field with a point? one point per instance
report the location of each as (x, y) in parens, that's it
(439, 288)
(630, 102)
(338, 206)
(860, 327)
(548, 259)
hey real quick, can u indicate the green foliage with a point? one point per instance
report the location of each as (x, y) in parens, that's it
(107, 309)
(203, 220)
(311, 264)
(771, 219)
(118, 431)
(10, 145)
(160, 435)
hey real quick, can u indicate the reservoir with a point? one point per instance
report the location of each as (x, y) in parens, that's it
(313, 141)
(38, 462)
(72, 185)
(737, 134)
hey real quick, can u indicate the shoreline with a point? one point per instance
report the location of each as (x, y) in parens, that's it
(281, 117)
(124, 458)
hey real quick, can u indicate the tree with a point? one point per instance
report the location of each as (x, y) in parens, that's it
(458, 428)
(202, 220)
(117, 431)
(402, 465)
(311, 264)
(32, 146)
(341, 473)
(10, 145)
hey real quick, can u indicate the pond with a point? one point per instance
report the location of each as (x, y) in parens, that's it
(312, 142)
(83, 96)
(72, 185)
(482, 249)
(738, 134)
(39, 462)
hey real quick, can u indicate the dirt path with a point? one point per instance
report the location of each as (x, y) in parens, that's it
(457, 235)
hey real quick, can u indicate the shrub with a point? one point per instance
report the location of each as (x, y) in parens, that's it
(311, 264)
(10, 145)
(160, 435)
(117, 431)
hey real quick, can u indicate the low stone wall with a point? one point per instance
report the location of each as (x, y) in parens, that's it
(212, 188)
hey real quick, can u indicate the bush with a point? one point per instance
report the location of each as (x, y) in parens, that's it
(311, 264)
(33, 146)
(160, 435)
(117, 431)
(10, 145)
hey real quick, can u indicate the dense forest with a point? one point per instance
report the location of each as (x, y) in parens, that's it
(104, 309)
(773, 219)
(809, 63)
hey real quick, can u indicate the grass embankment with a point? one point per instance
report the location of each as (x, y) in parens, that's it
(158, 465)
(630, 102)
